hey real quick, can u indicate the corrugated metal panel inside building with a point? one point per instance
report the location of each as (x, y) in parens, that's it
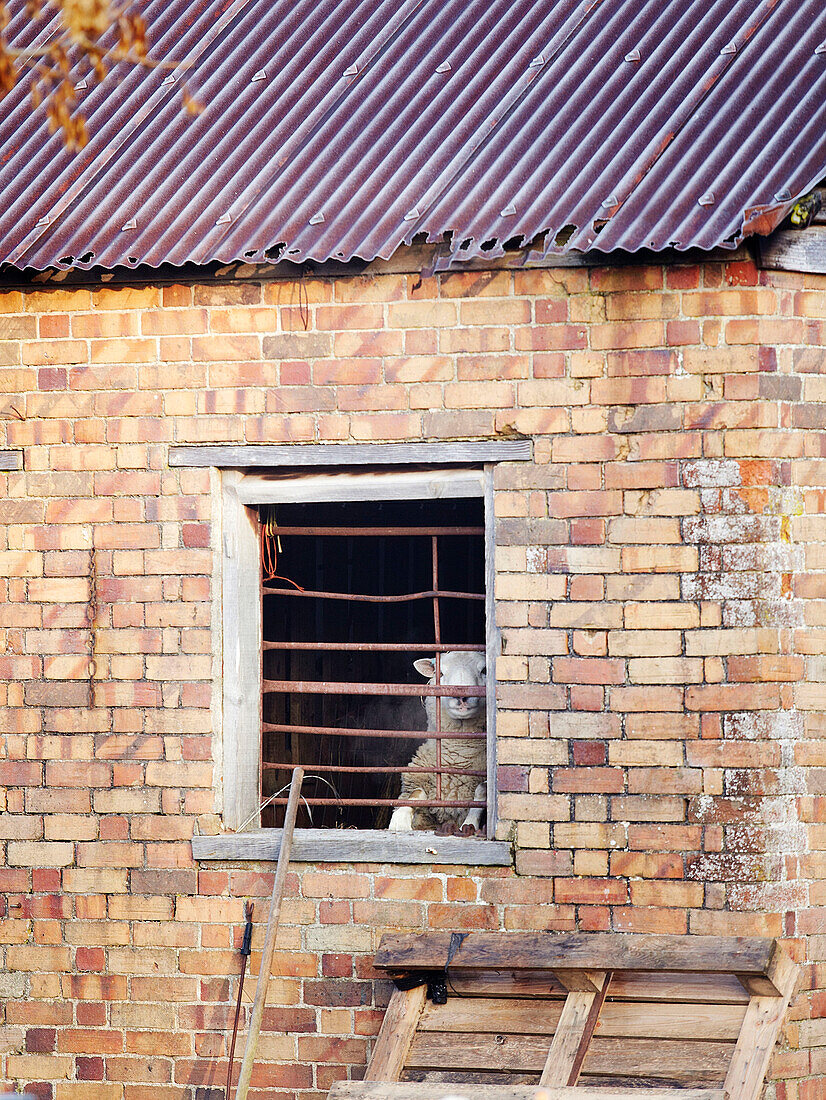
(344, 130)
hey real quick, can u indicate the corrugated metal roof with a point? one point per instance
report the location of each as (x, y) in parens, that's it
(343, 129)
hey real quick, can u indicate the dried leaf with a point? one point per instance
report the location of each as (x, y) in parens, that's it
(191, 105)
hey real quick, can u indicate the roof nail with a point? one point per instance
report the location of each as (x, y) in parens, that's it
(444, 67)
(821, 48)
(707, 199)
(612, 200)
(81, 85)
(634, 55)
(411, 215)
(784, 195)
(225, 219)
(730, 48)
(352, 70)
(260, 75)
(508, 211)
(317, 219)
(167, 80)
(45, 220)
(537, 62)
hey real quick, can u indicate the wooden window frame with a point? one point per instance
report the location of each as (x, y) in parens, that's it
(251, 476)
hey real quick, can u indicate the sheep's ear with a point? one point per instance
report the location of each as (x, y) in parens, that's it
(426, 666)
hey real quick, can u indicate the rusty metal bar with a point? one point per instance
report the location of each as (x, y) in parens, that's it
(352, 731)
(353, 598)
(324, 687)
(379, 647)
(398, 769)
(421, 803)
(345, 532)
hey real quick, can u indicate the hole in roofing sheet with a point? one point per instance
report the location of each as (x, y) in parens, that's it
(86, 258)
(513, 244)
(66, 260)
(248, 255)
(486, 246)
(466, 243)
(564, 235)
(419, 238)
(293, 251)
(599, 224)
(275, 250)
(132, 259)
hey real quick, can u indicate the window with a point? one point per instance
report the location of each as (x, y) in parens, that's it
(304, 678)
(349, 604)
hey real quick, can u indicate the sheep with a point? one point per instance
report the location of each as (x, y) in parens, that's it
(456, 668)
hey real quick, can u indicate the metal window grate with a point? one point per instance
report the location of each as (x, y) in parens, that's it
(347, 607)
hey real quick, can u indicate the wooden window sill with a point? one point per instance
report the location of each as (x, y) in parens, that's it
(355, 846)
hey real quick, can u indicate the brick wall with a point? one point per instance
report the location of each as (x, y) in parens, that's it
(660, 584)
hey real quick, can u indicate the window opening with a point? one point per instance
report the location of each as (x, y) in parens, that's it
(352, 594)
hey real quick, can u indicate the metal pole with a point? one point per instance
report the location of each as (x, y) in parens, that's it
(265, 967)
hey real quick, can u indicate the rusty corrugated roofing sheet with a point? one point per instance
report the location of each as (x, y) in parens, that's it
(342, 129)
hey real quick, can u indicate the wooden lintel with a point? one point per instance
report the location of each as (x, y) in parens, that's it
(297, 455)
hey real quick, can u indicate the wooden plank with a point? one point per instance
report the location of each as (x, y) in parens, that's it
(509, 1015)
(350, 454)
(539, 1016)
(764, 1015)
(11, 460)
(354, 845)
(396, 1034)
(707, 988)
(597, 950)
(425, 1090)
(700, 1062)
(629, 985)
(511, 983)
(794, 250)
(576, 1027)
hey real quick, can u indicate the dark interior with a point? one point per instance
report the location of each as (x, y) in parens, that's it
(358, 564)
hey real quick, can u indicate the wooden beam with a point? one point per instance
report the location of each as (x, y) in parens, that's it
(764, 1015)
(396, 1034)
(596, 951)
(356, 845)
(573, 1034)
(290, 456)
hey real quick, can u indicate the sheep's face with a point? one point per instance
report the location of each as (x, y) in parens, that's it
(458, 669)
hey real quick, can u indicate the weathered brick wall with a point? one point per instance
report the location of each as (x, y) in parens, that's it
(660, 584)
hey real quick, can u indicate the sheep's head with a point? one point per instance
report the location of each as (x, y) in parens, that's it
(457, 669)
